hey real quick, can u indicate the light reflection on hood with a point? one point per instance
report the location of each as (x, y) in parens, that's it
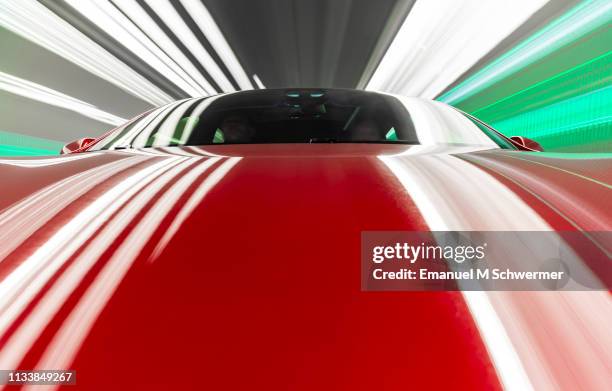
(448, 188)
(453, 194)
(80, 242)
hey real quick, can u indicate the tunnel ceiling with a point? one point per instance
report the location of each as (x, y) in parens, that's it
(314, 43)
(317, 43)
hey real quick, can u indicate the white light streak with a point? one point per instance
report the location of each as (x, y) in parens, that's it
(22, 219)
(24, 282)
(195, 199)
(588, 17)
(442, 217)
(167, 128)
(442, 39)
(170, 16)
(65, 345)
(113, 22)
(213, 34)
(55, 34)
(435, 123)
(140, 136)
(46, 95)
(148, 25)
(525, 356)
(197, 112)
(260, 85)
(34, 324)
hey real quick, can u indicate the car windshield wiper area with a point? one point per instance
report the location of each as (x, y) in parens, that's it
(331, 140)
(322, 140)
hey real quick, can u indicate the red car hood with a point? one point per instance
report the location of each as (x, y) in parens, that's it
(238, 266)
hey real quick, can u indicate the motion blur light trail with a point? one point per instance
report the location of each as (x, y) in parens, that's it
(38, 24)
(15, 150)
(258, 82)
(157, 178)
(567, 29)
(440, 40)
(111, 20)
(13, 144)
(537, 68)
(554, 86)
(43, 94)
(142, 20)
(584, 121)
(568, 323)
(214, 35)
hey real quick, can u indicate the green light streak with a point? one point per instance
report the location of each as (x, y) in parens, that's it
(569, 82)
(184, 123)
(15, 144)
(585, 65)
(218, 138)
(553, 87)
(582, 19)
(13, 150)
(391, 135)
(580, 120)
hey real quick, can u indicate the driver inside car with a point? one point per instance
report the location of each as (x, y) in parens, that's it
(236, 129)
(365, 130)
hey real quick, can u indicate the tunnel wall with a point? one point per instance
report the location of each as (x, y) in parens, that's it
(554, 86)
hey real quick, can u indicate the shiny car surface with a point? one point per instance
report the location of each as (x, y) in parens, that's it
(170, 254)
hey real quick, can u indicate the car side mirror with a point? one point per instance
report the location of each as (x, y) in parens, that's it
(527, 144)
(77, 145)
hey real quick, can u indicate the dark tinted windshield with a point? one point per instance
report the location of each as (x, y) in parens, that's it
(297, 116)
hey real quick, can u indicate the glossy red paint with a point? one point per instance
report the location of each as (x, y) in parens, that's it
(259, 285)
(77, 145)
(526, 144)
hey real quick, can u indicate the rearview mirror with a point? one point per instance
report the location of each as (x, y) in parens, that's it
(77, 145)
(527, 144)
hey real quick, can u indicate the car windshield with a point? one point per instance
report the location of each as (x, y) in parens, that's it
(301, 116)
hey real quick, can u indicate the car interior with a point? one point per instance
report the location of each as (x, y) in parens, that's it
(309, 116)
